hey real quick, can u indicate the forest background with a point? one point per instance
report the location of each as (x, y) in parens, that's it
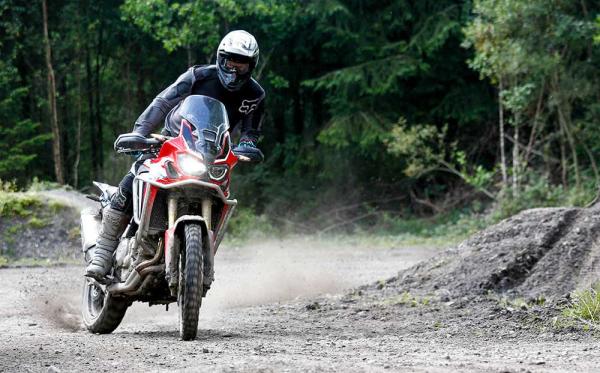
(382, 116)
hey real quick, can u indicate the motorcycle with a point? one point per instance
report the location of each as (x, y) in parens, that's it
(181, 208)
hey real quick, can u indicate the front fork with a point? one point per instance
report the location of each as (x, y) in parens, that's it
(172, 249)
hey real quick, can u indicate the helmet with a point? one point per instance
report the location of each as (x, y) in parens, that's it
(237, 57)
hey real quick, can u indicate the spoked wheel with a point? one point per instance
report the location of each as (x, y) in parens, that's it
(101, 312)
(189, 295)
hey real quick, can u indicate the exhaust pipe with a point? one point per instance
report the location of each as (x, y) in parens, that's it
(148, 274)
(135, 278)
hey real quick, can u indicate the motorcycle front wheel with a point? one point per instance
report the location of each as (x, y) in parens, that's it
(101, 313)
(189, 295)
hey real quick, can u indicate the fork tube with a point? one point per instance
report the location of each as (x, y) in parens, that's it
(145, 216)
(172, 210)
(207, 212)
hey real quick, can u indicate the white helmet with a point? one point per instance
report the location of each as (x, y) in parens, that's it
(237, 56)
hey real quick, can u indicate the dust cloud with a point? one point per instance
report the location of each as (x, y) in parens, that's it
(273, 275)
(60, 311)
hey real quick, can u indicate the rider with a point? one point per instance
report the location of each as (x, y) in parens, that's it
(229, 81)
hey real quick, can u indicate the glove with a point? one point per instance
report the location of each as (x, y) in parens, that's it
(247, 147)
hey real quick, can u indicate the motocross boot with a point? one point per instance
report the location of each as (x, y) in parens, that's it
(114, 223)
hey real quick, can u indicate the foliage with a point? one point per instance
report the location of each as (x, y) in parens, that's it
(196, 23)
(375, 113)
(537, 192)
(37, 223)
(21, 139)
(426, 149)
(17, 204)
(247, 225)
(539, 53)
(38, 185)
(585, 305)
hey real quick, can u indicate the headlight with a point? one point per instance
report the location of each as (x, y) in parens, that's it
(191, 165)
(217, 172)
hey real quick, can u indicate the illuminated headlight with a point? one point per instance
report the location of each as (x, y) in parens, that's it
(217, 172)
(191, 165)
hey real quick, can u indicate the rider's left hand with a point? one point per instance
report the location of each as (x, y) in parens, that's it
(247, 148)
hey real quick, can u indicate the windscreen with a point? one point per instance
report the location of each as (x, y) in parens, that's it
(209, 119)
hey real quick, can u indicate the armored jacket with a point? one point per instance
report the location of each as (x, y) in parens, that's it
(245, 106)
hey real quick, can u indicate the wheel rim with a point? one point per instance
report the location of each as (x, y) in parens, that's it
(94, 299)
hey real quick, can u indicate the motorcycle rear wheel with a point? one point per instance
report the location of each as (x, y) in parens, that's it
(101, 312)
(189, 295)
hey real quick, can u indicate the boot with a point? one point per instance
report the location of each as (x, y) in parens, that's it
(114, 223)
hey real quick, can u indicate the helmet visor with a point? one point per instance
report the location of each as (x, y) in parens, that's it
(234, 63)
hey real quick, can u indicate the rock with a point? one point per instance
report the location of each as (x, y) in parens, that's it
(313, 306)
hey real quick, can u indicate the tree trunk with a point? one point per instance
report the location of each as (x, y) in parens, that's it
(188, 49)
(78, 124)
(536, 122)
(564, 118)
(56, 143)
(98, 115)
(571, 140)
(516, 160)
(563, 158)
(502, 140)
(90, 101)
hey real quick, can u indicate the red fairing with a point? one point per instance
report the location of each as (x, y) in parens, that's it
(177, 145)
(168, 154)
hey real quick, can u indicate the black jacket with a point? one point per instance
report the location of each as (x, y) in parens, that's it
(245, 106)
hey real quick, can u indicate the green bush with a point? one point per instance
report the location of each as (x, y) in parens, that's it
(537, 192)
(17, 204)
(42, 185)
(453, 226)
(245, 223)
(585, 305)
(37, 223)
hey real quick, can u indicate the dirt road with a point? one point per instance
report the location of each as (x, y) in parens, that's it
(273, 308)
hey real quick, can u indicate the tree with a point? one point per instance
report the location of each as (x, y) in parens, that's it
(21, 140)
(538, 53)
(56, 135)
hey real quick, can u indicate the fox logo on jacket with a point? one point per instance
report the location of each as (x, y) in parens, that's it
(248, 106)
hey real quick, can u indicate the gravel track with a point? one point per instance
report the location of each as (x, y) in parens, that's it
(298, 305)
(254, 318)
(274, 308)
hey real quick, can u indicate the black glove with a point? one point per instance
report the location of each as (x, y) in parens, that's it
(247, 147)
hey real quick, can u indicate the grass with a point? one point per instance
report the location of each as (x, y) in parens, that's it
(37, 223)
(74, 233)
(390, 231)
(517, 303)
(18, 204)
(7, 262)
(585, 306)
(406, 299)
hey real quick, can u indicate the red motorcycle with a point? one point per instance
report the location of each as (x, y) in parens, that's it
(181, 207)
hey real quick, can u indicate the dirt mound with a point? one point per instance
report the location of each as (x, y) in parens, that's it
(544, 252)
(45, 226)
